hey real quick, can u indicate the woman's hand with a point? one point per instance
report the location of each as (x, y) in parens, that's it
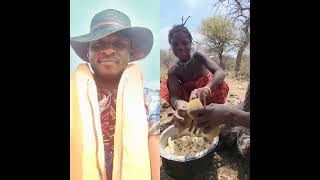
(201, 93)
(210, 117)
(180, 114)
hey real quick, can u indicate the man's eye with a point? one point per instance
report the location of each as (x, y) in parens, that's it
(120, 44)
(96, 46)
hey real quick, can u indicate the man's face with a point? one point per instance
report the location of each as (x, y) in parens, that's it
(109, 56)
(181, 45)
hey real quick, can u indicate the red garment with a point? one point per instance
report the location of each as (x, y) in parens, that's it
(218, 95)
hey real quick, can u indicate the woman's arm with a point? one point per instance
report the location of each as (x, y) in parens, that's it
(173, 88)
(238, 118)
(216, 114)
(213, 68)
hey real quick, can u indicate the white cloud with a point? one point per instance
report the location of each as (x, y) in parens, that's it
(197, 36)
(164, 44)
(193, 5)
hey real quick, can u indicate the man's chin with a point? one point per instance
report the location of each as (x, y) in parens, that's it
(111, 74)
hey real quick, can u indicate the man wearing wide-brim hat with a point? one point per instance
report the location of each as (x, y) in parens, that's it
(114, 130)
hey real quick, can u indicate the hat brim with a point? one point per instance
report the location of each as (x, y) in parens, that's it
(141, 41)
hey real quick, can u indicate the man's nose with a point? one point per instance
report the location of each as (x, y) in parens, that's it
(109, 50)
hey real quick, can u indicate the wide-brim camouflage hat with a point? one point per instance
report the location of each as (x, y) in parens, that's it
(112, 21)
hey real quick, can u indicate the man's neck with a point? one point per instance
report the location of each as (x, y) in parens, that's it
(105, 83)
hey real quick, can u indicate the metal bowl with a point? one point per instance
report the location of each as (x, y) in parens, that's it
(184, 167)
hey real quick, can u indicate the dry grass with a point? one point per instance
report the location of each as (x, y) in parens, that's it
(244, 72)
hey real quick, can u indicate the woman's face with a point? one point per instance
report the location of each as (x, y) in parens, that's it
(181, 45)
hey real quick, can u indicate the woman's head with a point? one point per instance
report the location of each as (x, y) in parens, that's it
(180, 40)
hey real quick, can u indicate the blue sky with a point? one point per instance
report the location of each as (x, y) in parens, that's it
(82, 11)
(173, 10)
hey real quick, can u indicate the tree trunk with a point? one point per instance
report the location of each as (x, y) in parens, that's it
(239, 57)
(243, 46)
(221, 61)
